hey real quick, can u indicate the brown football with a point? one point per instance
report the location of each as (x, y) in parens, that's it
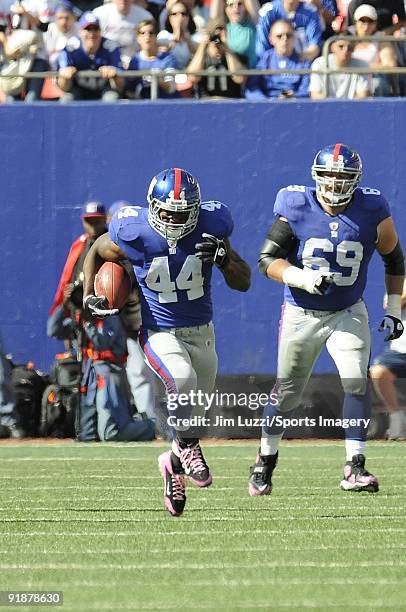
(113, 282)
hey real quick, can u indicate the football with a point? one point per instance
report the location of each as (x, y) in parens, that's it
(113, 281)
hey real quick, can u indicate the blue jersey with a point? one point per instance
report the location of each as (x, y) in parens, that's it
(108, 54)
(142, 85)
(343, 244)
(175, 287)
(261, 87)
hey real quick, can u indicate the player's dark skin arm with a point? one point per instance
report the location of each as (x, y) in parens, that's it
(102, 250)
(237, 272)
(387, 239)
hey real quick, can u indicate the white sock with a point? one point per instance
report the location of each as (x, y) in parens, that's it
(396, 419)
(270, 444)
(354, 447)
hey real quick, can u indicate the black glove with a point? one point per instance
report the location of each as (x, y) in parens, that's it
(322, 285)
(213, 250)
(94, 305)
(393, 325)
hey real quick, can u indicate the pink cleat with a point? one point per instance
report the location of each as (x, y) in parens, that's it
(194, 464)
(174, 485)
(356, 478)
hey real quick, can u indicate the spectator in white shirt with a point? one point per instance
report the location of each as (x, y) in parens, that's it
(118, 20)
(341, 85)
(60, 31)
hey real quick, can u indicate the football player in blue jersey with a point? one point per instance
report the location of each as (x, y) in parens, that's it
(173, 246)
(320, 246)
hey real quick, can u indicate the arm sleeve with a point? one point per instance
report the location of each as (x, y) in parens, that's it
(64, 59)
(313, 31)
(254, 89)
(279, 243)
(303, 89)
(263, 27)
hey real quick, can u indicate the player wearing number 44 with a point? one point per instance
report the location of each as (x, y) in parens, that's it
(173, 246)
(320, 246)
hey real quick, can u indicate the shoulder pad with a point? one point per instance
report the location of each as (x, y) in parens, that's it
(219, 216)
(265, 8)
(72, 44)
(290, 202)
(127, 223)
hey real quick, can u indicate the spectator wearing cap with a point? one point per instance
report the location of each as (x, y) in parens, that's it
(281, 56)
(394, 9)
(105, 411)
(90, 52)
(118, 21)
(214, 54)
(94, 225)
(151, 58)
(305, 20)
(375, 54)
(241, 18)
(60, 31)
(348, 86)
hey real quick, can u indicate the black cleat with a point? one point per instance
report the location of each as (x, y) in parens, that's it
(356, 477)
(260, 482)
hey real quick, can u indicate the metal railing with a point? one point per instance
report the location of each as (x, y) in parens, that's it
(156, 75)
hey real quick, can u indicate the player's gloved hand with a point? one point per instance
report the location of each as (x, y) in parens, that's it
(393, 326)
(213, 250)
(94, 305)
(315, 282)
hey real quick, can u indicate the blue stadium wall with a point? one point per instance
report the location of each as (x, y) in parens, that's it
(56, 157)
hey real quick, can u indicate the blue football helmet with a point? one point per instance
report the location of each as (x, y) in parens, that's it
(176, 191)
(337, 171)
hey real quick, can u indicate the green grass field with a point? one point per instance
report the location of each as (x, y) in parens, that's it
(89, 520)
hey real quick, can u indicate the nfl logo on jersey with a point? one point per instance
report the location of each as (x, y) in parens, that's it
(333, 228)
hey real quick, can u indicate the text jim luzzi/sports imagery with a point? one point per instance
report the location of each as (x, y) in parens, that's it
(253, 401)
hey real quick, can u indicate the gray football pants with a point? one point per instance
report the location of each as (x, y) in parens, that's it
(184, 358)
(303, 334)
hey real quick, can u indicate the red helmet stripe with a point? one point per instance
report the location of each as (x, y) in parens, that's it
(336, 151)
(178, 177)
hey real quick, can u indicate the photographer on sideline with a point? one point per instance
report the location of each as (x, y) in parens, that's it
(94, 224)
(213, 54)
(100, 345)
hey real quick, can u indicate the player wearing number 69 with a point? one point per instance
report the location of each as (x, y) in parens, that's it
(320, 246)
(173, 246)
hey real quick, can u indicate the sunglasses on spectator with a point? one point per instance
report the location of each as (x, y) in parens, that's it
(183, 13)
(284, 34)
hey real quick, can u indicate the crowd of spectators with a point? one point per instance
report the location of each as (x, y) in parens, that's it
(194, 35)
